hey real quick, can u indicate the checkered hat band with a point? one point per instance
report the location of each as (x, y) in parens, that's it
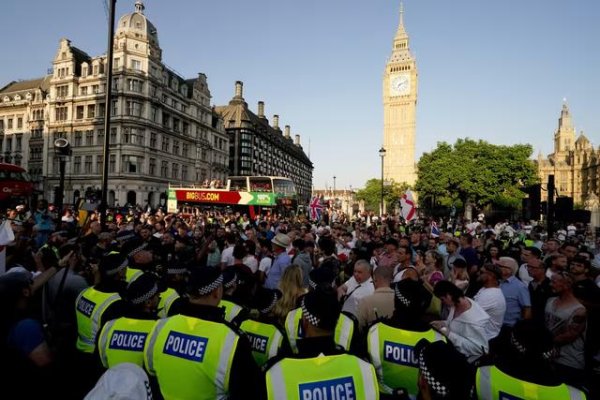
(125, 237)
(146, 297)
(231, 282)
(520, 348)
(173, 271)
(400, 296)
(313, 320)
(203, 291)
(547, 355)
(137, 249)
(436, 386)
(115, 271)
(270, 306)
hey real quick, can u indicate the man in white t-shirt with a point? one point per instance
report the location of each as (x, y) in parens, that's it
(357, 287)
(266, 259)
(227, 253)
(491, 299)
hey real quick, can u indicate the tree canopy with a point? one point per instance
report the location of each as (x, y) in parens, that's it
(371, 194)
(475, 171)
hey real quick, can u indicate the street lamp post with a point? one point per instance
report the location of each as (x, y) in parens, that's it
(62, 150)
(334, 186)
(382, 155)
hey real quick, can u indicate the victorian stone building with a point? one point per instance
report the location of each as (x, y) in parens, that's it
(163, 129)
(575, 163)
(258, 148)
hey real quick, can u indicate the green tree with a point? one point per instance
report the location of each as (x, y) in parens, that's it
(475, 172)
(371, 194)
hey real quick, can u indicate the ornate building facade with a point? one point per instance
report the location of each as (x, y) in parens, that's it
(399, 110)
(258, 148)
(163, 129)
(575, 163)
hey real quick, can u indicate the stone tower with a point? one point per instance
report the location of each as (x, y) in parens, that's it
(399, 109)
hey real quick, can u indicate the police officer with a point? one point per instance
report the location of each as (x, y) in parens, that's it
(172, 287)
(524, 369)
(122, 339)
(444, 373)
(267, 337)
(346, 325)
(322, 370)
(197, 354)
(234, 312)
(390, 343)
(100, 303)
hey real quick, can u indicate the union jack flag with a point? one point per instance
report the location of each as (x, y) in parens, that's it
(435, 232)
(315, 208)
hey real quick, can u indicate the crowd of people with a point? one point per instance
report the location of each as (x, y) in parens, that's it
(216, 305)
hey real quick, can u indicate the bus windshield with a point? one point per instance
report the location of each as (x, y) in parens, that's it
(260, 184)
(284, 187)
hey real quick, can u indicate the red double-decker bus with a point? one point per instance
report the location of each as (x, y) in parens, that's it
(15, 184)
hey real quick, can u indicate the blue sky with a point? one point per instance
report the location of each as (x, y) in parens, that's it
(492, 70)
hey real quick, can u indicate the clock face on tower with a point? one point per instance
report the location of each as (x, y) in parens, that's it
(399, 85)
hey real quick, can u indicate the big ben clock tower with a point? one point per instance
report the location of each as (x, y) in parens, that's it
(399, 110)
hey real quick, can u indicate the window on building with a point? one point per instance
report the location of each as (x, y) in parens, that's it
(79, 112)
(19, 122)
(113, 135)
(154, 114)
(165, 144)
(152, 169)
(91, 111)
(77, 164)
(175, 171)
(184, 172)
(87, 165)
(101, 110)
(62, 91)
(130, 164)
(96, 69)
(99, 164)
(10, 123)
(166, 120)
(152, 140)
(112, 163)
(164, 168)
(77, 136)
(185, 150)
(176, 125)
(176, 147)
(83, 90)
(134, 108)
(136, 64)
(116, 63)
(100, 136)
(19, 140)
(95, 89)
(61, 113)
(89, 137)
(115, 108)
(186, 128)
(135, 85)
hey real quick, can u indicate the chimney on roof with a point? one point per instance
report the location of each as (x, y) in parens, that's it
(286, 132)
(276, 122)
(297, 141)
(261, 109)
(239, 89)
